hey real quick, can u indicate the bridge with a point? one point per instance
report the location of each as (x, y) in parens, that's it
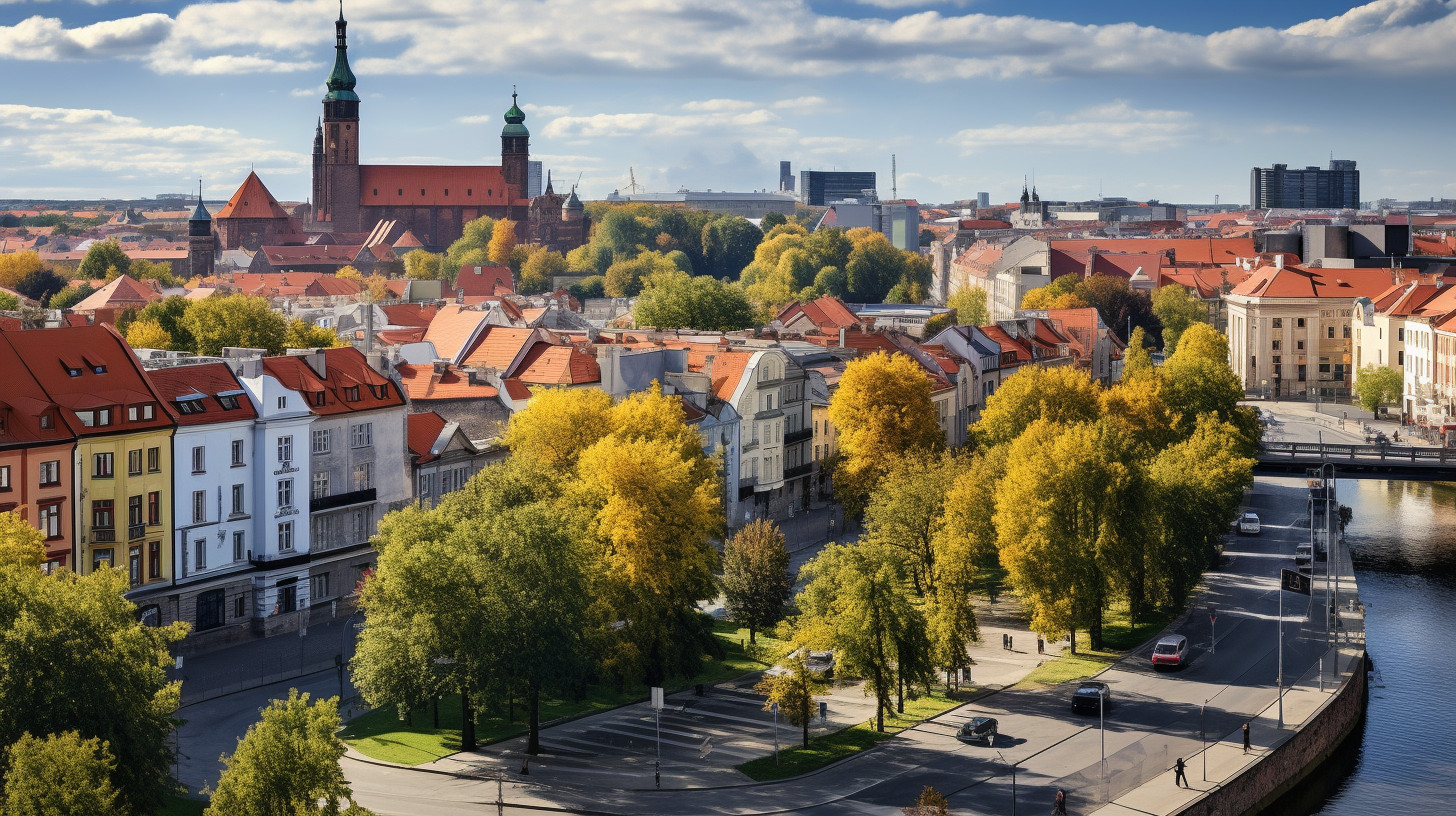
(1430, 464)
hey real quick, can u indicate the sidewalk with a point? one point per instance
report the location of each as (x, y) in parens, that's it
(266, 661)
(1301, 422)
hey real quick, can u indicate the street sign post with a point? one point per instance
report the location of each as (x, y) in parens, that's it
(1289, 581)
(1213, 622)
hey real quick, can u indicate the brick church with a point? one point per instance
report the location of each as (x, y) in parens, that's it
(432, 203)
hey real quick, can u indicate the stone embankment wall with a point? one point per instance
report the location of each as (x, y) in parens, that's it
(1278, 772)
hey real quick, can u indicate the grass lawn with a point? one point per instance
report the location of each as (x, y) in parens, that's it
(178, 805)
(1118, 636)
(846, 742)
(382, 735)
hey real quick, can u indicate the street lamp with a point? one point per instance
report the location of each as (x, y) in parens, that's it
(1012, 766)
(1203, 737)
(775, 709)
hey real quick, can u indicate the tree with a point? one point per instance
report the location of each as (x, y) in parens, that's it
(674, 300)
(1062, 394)
(77, 658)
(21, 545)
(350, 273)
(147, 334)
(969, 303)
(729, 245)
(593, 286)
(302, 334)
(558, 424)
(60, 775)
(160, 271)
(421, 264)
(69, 296)
(1118, 304)
(938, 323)
(1042, 297)
(793, 692)
(9, 302)
(771, 220)
(15, 266)
(287, 764)
(168, 313)
(1176, 309)
(40, 284)
(1136, 405)
(471, 248)
(540, 269)
(930, 802)
(624, 278)
(1375, 387)
(1197, 380)
(376, 289)
(882, 409)
(102, 256)
(874, 267)
(1204, 342)
(236, 320)
(502, 241)
(756, 579)
(905, 514)
(1137, 360)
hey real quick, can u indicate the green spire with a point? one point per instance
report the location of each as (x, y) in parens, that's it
(514, 117)
(341, 80)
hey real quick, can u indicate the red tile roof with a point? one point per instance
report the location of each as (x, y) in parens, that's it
(408, 185)
(1299, 282)
(1185, 250)
(547, 364)
(332, 286)
(122, 293)
(84, 368)
(400, 337)
(204, 384)
(485, 281)
(22, 403)
(252, 200)
(495, 347)
(827, 313)
(410, 314)
(422, 383)
(344, 368)
(1008, 343)
(423, 431)
(341, 254)
(516, 389)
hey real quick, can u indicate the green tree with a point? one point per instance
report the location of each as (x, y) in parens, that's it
(287, 764)
(674, 300)
(539, 270)
(969, 303)
(160, 271)
(76, 658)
(1062, 394)
(881, 410)
(1118, 304)
(793, 692)
(728, 246)
(60, 775)
(906, 512)
(1375, 387)
(236, 320)
(874, 267)
(471, 248)
(937, 324)
(1137, 360)
(756, 579)
(1197, 380)
(168, 313)
(1176, 310)
(593, 286)
(41, 284)
(9, 302)
(625, 278)
(771, 220)
(421, 264)
(591, 258)
(102, 256)
(69, 296)
(302, 334)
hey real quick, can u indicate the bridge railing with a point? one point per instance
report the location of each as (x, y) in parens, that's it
(1397, 453)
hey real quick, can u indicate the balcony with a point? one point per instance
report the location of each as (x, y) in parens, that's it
(341, 500)
(796, 472)
(802, 435)
(103, 535)
(135, 531)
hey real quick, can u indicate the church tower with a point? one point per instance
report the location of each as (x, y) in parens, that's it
(336, 202)
(201, 245)
(515, 149)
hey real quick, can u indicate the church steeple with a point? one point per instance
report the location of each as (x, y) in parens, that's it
(341, 80)
(515, 148)
(549, 191)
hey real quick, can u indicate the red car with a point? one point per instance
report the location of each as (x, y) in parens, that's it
(1171, 650)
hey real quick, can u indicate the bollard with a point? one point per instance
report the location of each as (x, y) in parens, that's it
(1040, 645)
(1011, 643)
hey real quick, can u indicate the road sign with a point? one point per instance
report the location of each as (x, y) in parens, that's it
(1294, 581)
(657, 697)
(1213, 616)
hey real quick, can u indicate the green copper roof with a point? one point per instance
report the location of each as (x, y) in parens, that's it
(514, 117)
(341, 80)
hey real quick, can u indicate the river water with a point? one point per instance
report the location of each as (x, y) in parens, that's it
(1403, 540)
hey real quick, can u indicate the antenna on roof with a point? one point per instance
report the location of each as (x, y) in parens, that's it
(894, 179)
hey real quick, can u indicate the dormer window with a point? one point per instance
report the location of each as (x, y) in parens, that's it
(46, 421)
(142, 413)
(99, 418)
(73, 371)
(228, 402)
(318, 398)
(352, 393)
(191, 406)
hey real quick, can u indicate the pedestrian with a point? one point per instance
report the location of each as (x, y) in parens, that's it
(1061, 805)
(1246, 738)
(1178, 778)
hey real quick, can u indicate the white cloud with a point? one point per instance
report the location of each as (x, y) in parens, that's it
(546, 110)
(718, 105)
(803, 104)
(1115, 126)
(1380, 15)
(47, 38)
(316, 91)
(658, 125)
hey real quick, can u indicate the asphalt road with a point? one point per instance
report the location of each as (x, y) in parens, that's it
(1155, 719)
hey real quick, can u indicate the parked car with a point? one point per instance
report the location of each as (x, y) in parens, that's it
(1303, 554)
(978, 729)
(1171, 650)
(1249, 524)
(1092, 695)
(820, 664)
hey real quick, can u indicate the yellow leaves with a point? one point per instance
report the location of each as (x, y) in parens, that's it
(559, 424)
(148, 334)
(502, 241)
(1062, 394)
(1203, 342)
(21, 545)
(881, 410)
(1137, 405)
(349, 273)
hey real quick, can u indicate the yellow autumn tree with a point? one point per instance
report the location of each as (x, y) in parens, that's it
(881, 410)
(148, 334)
(349, 273)
(21, 545)
(502, 241)
(1062, 394)
(558, 424)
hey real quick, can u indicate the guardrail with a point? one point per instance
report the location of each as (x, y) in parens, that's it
(1384, 453)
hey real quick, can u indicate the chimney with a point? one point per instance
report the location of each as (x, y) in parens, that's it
(315, 360)
(842, 330)
(1278, 261)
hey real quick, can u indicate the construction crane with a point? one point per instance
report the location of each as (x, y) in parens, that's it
(633, 187)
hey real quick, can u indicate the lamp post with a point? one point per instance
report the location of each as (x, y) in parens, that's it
(1012, 766)
(1102, 726)
(775, 708)
(1203, 737)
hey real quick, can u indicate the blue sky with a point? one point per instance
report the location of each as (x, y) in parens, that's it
(1141, 99)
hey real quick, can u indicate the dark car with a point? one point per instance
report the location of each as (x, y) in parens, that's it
(1091, 695)
(978, 729)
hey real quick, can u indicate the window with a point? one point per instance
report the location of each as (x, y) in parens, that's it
(362, 521)
(239, 540)
(199, 459)
(352, 393)
(285, 493)
(134, 565)
(154, 559)
(199, 506)
(321, 441)
(285, 536)
(192, 406)
(100, 557)
(363, 475)
(210, 608)
(361, 435)
(288, 595)
(1347, 332)
(99, 418)
(228, 402)
(1278, 322)
(285, 449)
(199, 547)
(1299, 345)
(50, 520)
(323, 530)
(1331, 332)
(142, 412)
(50, 473)
(5, 477)
(239, 606)
(282, 403)
(320, 485)
(1301, 373)
(154, 460)
(103, 514)
(134, 511)
(237, 500)
(101, 466)
(46, 421)
(318, 587)
(1400, 358)
(154, 508)
(1276, 345)
(1400, 334)
(427, 485)
(134, 462)
(237, 452)
(1299, 323)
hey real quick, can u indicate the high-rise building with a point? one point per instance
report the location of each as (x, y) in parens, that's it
(533, 178)
(820, 187)
(983, 200)
(1310, 188)
(786, 177)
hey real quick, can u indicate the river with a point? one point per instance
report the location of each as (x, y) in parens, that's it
(1403, 540)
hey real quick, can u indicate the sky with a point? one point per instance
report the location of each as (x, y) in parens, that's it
(1168, 100)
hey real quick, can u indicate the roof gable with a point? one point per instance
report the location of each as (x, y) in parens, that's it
(252, 200)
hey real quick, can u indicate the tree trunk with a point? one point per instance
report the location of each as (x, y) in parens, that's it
(752, 635)
(533, 701)
(467, 720)
(435, 707)
(900, 693)
(1072, 636)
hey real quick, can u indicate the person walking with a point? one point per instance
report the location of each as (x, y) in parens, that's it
(1060, 809)
(1246, 738)
(1178, 777)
